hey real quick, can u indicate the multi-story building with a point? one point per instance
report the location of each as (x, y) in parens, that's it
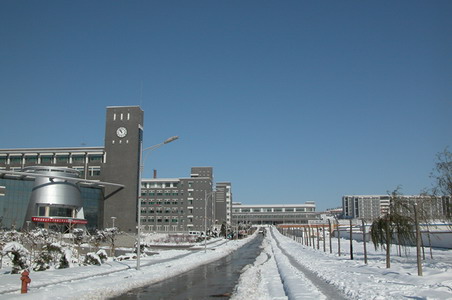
(369, 207)
(365, 207)
(116, 162)
(274, 214)
(178, 204)
(223, 203)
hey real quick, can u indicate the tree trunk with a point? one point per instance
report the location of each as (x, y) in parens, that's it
(338, 239)
(329, 227)
(318, 237)
(418, 242)
(351, 240)
(388, 246)
(364, 241)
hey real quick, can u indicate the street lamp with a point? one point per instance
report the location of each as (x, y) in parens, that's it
(113, 221)
(168, 140)
(205, 218)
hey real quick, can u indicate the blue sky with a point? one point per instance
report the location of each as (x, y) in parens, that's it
(291, 101)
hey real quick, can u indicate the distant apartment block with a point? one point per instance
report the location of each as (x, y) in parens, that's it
(369, 207)
(274, 214)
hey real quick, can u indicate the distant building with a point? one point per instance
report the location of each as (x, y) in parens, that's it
(178, 204)
(223, 203)
(274, 213)
(369, 207)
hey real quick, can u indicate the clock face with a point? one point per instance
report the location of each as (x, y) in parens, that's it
(121, 132)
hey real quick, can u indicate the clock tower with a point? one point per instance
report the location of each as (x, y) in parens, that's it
(123, 137)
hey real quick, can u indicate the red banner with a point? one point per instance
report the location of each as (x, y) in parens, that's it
(59, 220)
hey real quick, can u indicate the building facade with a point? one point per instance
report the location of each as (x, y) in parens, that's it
(274, 214)
(178, 204)
(223, 203)
(116, 162)
(370, 207)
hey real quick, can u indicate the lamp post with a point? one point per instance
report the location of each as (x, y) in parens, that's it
(169, 140)
(113, 221)
(205, 218)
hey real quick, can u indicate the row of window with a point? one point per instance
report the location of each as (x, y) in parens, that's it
(161, 202)
(162, 185)
(161, 220)
(160, 210)
(50, 159)
(258, 210)
(161, 193)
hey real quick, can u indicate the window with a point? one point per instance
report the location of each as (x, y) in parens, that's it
(46, 159)
(78, 159)
(63, 159)
(60, 212)
(95, 158)
(94, 171)
(15, 159)
(81, 170)
(2, 159)
(42, 211)
(31, 159)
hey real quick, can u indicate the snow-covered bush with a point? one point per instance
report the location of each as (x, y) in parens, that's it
(92, 258)
(53, 255)
(102, 255)
(97, 238)
(18, 255)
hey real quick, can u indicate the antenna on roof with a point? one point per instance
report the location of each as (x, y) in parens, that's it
(141, 93)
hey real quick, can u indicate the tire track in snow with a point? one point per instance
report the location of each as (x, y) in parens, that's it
(292, 281)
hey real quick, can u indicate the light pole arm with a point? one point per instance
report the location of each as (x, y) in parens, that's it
(149, 149)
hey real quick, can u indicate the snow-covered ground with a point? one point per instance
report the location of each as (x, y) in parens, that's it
(114, 277)
(284, 270)
(351, 278)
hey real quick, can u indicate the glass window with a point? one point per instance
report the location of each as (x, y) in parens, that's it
(60, 212)
(95, 158)
(78, 158)
(15, 159)
(42, 211)
(62, 159)
(94, 171)
(31, 159)
(46, 159)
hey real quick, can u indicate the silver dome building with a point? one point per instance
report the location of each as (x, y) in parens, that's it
(56, 196)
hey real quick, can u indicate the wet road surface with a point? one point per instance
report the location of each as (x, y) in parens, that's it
(212, 281)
